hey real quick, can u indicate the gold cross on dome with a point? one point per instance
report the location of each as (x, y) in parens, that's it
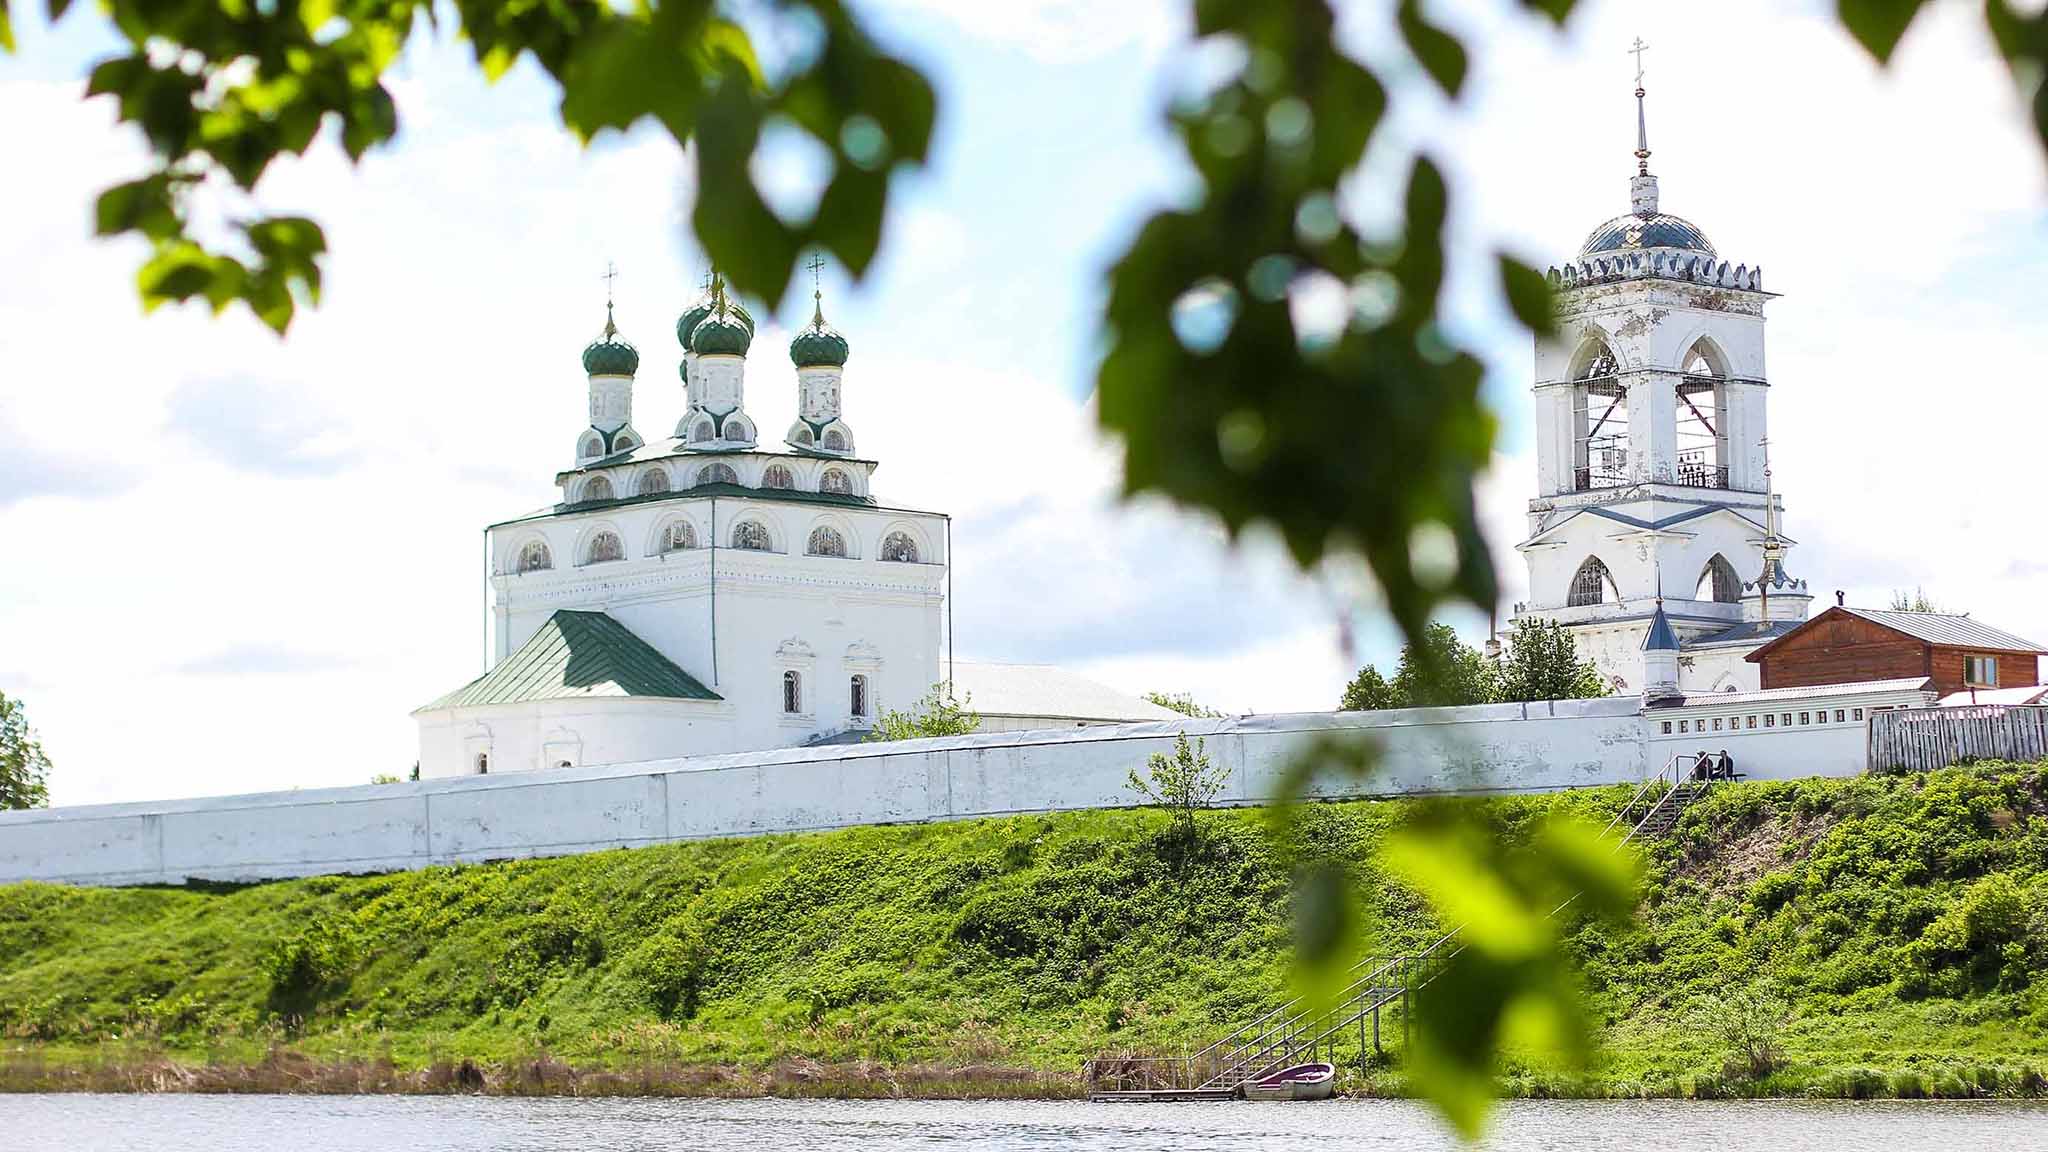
(611, 274)
(815, 264)
(1638, 48)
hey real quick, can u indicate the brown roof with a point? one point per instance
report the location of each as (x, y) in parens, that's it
(1937, 629)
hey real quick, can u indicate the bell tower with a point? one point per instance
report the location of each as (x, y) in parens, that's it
(1651, 431)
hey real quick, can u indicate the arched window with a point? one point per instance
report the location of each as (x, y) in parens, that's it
(653, 481)
(1702, 406)
(835, 482)
(857, 697)
(605, 546)
(597, 488)
(826, 542)
(752, 536)
(792, 693)
(1592, 585)
(677, 535)
(834, 441)
(1594, 360)
(701, 432)
(1719, 583)
(624, 443)
(736, 429)
(534, 557)
(717, 474)
(590, 446)
(803, 436)
(899, 547)
(777, 476)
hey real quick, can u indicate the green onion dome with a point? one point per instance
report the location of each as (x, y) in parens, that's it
(721, 334)
(818, 345)
(686, 324)
(608, 355)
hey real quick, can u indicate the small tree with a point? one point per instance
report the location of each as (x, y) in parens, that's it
(24, 770)
(1919, 601)
(1542, 662)
(938, 713)
(1750, 1024)
(1184, 703)
(384, 778)
(1368, 692)
(1182, 783)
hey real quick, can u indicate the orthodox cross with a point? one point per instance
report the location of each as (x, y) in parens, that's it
(1638, 48)
(815, 264)
(611, 274)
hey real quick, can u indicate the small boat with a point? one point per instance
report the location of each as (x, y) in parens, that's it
(1301, 1082)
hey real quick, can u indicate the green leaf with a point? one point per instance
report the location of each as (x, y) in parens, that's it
(1877, 24)
(6, 29)
(137, 206)
(1528, 295)
(1557, 10)
(1438, 51)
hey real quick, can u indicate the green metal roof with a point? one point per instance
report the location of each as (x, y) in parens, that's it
(574, 655)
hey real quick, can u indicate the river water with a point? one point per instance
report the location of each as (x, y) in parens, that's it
(176, 1123)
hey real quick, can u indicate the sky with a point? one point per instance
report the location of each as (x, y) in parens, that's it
(230, 562)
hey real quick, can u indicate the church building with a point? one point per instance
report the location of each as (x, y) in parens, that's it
(700, 592)
(1655, 533)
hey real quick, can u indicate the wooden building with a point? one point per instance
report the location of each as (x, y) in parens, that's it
(1847, 645)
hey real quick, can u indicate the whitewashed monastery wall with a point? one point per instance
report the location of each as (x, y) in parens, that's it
(377, 828)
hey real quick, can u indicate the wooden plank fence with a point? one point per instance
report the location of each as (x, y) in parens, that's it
(1923, 739)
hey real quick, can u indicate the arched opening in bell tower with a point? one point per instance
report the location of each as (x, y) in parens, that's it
(1718, 582)
(1600, 415)
(1702, 439)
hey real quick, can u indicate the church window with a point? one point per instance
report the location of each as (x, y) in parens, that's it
(1718, 582)
(1592, 584)
(792, 693)
(1803, 718)
(1770, 719)
(534, 557)
(590, 446)
(1857, 714)
(1685, 725)
(1785, 720)
(700, 432)
(857, 696)
(826, 542)
(1717, 723)
(717, 474)
(899, 547)
(678, 535)
(835, 482)
(736, 429)
(653, 481)
(803, 436)
(834, 441)
(752, 536)
(624, 444)
(597, 488)
(1667, 727)
(777, 476)
(483, 763)
(605, 546)
(1751, 723)
(563, 764)
(1838, 716)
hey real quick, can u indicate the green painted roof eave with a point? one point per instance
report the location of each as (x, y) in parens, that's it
(576, 656)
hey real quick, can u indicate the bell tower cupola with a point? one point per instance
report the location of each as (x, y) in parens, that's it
(819, 353)
(610, 364)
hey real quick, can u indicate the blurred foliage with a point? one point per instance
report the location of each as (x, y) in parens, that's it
(221, 90)
(24, 768)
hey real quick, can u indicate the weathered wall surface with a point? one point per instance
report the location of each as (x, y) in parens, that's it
(378, 828)
(1509, 747)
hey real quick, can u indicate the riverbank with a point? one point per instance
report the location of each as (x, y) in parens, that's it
(1897, 923)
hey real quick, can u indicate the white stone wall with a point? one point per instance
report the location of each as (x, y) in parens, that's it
(1490, 748)
(553, 733)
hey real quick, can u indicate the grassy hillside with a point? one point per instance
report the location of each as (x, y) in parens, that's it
(1900, 921)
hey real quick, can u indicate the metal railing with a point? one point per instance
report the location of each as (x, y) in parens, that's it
(1281, 1037)
(1687, 476)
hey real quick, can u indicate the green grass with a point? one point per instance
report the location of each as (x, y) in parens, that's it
(1903, 920)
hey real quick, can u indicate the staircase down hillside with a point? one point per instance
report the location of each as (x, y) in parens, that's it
(1296, 1032)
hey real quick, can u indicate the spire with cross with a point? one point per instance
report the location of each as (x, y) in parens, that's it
(816, 264)
(1642, 124)
(611, 275)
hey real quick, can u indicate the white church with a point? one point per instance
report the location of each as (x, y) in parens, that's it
(700, 593)
(1655, 527)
